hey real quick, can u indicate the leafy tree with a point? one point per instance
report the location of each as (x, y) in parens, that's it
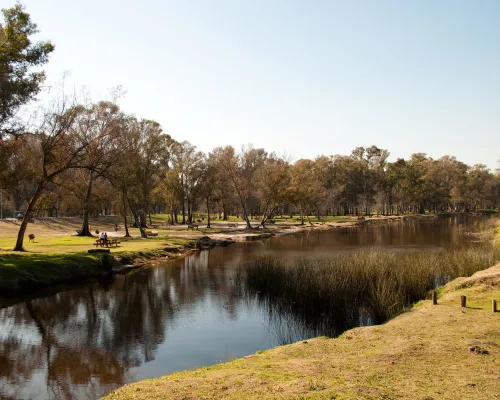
(101, 127)
(141, 166)
(18, 55)
(49, 152)
(187, 165)
(240, 170)
(272, 181)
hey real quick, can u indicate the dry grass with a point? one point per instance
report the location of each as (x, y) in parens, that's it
(421, 354)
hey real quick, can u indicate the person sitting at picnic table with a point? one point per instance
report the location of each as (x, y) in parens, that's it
(105, 237)
(101, 236)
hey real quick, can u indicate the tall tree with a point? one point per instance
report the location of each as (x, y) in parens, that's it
(52, 150)
(305, 187)
(101, 128)
(18, 56)
(240, 170)
(187, 165)
(141, 167)
(272, 181)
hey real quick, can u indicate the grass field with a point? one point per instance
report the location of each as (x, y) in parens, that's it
(58, 255)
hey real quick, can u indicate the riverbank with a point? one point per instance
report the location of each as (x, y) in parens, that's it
(58, 256)
(55, 260)
(439, 351)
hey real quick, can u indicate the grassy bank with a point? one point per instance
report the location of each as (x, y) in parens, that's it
(21, 273)
(57, 255)
(54, 260)
(429, 352)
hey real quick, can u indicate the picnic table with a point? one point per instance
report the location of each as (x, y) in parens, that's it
(192, 226)
(107, 243)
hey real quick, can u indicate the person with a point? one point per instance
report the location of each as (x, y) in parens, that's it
(105, 237)
(101, 236)
(116, 227)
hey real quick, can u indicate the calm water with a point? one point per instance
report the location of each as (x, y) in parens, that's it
(84, 342)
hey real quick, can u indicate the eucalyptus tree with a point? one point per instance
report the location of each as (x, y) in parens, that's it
(101, 128)
(51, 150)
(372, 161)
(188, 167)
(168, 192)
(445, 181)
(348, 179)
(210, 190)
(140, 168)
(479, 188)
(20, 59)
(305, 187)
(272, 181)
(225, 192)
(240, 171)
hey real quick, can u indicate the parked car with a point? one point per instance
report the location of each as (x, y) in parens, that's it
(19, 215)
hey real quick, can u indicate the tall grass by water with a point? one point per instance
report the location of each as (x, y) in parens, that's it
(343, 289)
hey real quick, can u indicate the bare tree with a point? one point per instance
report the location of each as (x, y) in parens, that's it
(53, 148)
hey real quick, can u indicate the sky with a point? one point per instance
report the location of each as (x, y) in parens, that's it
(300, 78)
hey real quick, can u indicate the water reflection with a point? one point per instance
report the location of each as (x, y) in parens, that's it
(86, 341)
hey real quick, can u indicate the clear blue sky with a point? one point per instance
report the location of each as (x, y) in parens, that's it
(301, 77)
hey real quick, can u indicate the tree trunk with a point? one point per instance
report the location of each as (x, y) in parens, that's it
(190, 211)
(308, 219)
(225, 211)
(265, 215)
(27, 217)
(183, 211)
(208, 213)
(85, 224)
(138, 223)
(127, 233)
(244, 207)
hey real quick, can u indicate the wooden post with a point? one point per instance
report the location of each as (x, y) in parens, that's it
(463, 301)
(434, 297)
(494, 305)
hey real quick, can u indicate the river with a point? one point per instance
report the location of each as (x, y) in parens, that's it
(84, 341)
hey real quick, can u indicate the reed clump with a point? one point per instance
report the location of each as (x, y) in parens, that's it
(343, 286)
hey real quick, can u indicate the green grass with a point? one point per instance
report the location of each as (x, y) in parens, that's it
(52, 260)
(21, 272)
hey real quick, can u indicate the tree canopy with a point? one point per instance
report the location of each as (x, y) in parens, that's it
(19, 83)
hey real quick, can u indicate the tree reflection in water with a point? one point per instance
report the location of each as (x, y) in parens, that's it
(86, 341)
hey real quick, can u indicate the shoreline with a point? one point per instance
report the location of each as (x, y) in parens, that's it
(68, 268)
(419, 354)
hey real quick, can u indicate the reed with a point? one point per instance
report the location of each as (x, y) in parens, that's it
(342, 288)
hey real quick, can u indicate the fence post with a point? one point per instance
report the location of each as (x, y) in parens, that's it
(494, 305)
(434, 297)
(463, 301)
